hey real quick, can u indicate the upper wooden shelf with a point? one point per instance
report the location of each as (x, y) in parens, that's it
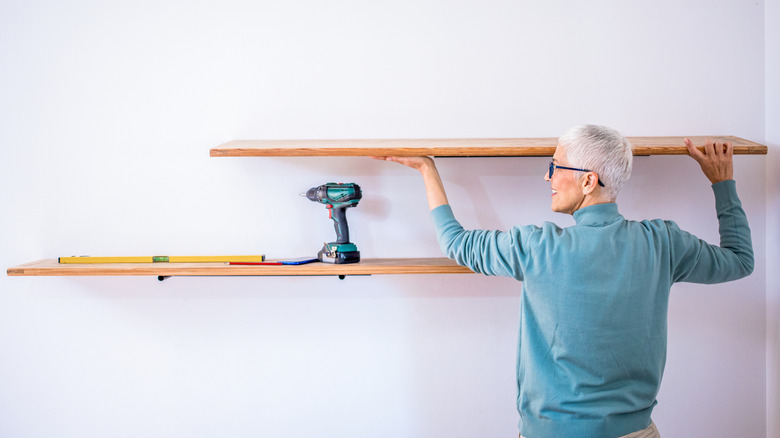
(456, 147)
(50, 267)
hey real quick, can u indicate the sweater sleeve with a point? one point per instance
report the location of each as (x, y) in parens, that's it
(482, 251)
(696, 261)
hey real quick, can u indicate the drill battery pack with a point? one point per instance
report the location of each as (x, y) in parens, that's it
(339, 253)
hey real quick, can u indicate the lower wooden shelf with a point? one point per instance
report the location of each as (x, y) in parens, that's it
(50, 267)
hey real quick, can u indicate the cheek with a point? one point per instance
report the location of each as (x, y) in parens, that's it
(559, 181)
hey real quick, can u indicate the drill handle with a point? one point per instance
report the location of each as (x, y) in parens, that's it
(339, 216)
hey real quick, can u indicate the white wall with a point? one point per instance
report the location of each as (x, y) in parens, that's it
(772, 47)
(109, 109)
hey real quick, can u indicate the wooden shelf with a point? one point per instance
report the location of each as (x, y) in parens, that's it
(457, 147)
(50, 267)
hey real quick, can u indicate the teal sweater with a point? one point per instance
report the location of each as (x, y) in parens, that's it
(592, 343)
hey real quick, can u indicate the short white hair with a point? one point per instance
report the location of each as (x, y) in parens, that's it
(602, 150)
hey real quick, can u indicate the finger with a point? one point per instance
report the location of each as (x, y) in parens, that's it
(693, 151)
(691, 148)
(387, 158)
(709, 147)
(729, 149)
(720, 149)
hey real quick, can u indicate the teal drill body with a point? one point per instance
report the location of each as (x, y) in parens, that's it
(338, 197)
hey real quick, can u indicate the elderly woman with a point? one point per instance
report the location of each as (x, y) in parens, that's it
(592, 342)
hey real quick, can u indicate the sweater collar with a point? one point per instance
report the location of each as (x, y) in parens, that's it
(599, 214)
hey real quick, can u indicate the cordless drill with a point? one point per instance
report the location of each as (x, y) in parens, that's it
(338, 197)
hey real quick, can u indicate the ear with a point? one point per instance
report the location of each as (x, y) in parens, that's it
(589, 183)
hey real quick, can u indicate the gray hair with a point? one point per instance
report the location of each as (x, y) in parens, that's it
(602, 150)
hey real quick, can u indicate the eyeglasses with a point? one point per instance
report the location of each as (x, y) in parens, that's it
(554, 166)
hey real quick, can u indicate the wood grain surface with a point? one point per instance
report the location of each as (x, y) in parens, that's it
(456, 147)
(50, 267)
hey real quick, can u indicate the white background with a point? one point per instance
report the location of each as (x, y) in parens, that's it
(107, 114)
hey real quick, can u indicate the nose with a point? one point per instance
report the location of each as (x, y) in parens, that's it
(547, 176)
